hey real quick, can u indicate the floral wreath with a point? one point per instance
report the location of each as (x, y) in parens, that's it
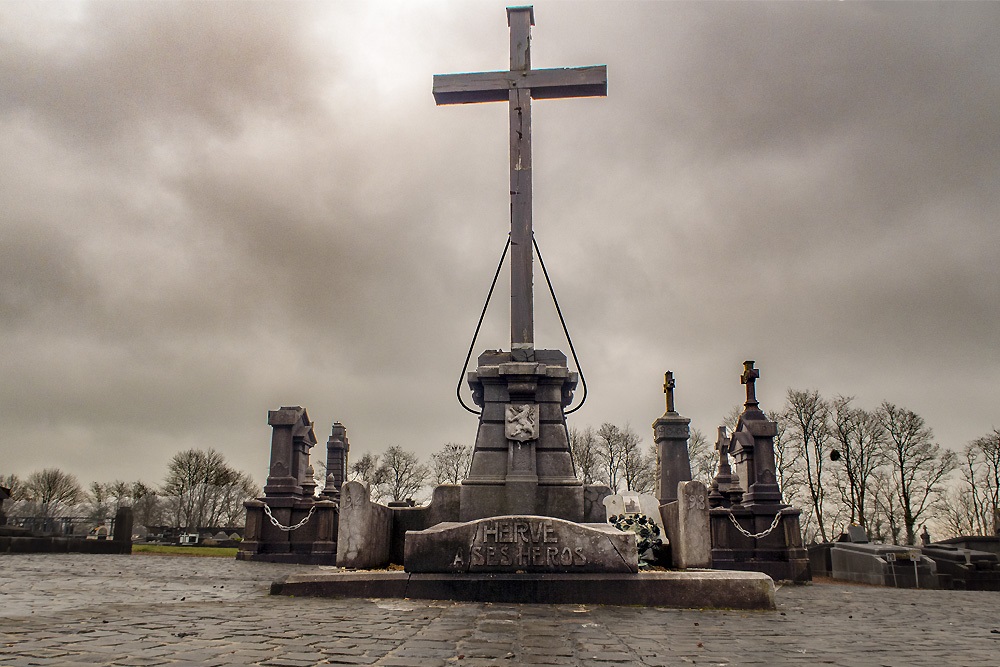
(647, 533)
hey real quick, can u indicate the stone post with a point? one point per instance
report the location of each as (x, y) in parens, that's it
(671, 433)
(693, 546)
(123, 525)
(337, 449)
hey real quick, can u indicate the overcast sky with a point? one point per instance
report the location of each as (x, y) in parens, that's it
(210, 210)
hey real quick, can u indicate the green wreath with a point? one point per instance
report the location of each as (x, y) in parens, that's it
(647, 533)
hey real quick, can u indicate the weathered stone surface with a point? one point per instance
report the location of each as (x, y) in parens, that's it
(688, 526)
(882, 565)
(365, 532)
(520, 544)
(697, 590)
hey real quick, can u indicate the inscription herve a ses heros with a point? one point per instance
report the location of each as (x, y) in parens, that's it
(521, 543)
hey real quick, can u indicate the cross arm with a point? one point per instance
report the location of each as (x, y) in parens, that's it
(544, 84)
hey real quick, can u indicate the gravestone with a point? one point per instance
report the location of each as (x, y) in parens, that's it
(688, 526)
(364, 535)
(630, 502)
(755, 529)
(337, 449)
(289, 524)
(725, 489)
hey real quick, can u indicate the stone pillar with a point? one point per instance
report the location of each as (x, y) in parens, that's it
(337, 449)
(291, 438)
(521, 462)
(123, 525)
(671, 433)
(364, 533)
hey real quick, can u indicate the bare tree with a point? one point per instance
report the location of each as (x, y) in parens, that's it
(52, 491)
(704, 458)
(860, 440)
(583, 444)
(14, 484)
(808, 416)
(450, 465)
(404, 474)
(368, 470)
(918, 464)
(204, 491)
(958, 512)
(981, 479)
(638, 468)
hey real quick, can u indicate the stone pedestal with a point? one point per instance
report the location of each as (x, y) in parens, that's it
(671, 433)
(521, 463)
(337, 449)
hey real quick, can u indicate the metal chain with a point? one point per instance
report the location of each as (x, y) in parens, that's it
(756, 536)
(288, 529)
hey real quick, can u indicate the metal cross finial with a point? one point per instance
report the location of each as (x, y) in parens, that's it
(518, 86)
(749, 377)
(668, 389)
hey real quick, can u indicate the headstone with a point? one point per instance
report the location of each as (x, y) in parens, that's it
(292, 437)
(123, 525)
(365, 533)
(726, 490)
(857, 535)
(670, 434)
(4, 495)
(631, 502)
(688, 526)
(758, 532)
(527, 544)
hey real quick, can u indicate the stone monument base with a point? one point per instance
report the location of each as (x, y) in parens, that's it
(779, 553)
(701, 589)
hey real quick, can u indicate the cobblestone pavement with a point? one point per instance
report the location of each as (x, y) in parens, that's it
(140, 610)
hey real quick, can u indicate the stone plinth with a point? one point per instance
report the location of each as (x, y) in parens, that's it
(692, 590)
(883, 565)
(671, 433)
(520, 544)
(521, 463)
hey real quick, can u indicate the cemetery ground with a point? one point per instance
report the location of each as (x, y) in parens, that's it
(145, 610)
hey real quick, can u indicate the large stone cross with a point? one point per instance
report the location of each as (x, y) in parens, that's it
(668, 388)
(518, 87)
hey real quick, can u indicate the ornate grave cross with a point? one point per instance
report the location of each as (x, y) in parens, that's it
(749, 377)
(668, 389)
(518, 87)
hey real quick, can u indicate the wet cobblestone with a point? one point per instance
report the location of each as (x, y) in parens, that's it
(147, 611)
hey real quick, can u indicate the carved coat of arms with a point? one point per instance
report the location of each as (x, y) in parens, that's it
(521, 422)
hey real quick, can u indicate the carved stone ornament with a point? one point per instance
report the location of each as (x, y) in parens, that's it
(521, 422)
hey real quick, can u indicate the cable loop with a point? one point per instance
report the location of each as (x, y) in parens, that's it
(472, 345)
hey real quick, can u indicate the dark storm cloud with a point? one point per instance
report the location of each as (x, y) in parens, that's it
(213, 209)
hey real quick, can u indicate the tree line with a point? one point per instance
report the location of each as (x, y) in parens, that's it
(838, 462)
(200, 490)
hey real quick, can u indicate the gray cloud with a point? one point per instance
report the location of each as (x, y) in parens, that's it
(213, 209)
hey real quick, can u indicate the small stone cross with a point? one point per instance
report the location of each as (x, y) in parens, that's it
(749, 377)
(668, 389)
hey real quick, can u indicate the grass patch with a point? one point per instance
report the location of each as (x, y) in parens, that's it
(165, 550)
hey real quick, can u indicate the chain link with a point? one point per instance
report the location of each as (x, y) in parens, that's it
(288, 529)
(756, 536)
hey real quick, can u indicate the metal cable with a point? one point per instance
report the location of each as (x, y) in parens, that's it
(562, 321)
(472, 345)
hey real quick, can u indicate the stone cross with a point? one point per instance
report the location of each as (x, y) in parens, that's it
(668, 389)
(518, 87)
(749, 377)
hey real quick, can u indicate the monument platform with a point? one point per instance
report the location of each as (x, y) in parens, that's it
(692, 589)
